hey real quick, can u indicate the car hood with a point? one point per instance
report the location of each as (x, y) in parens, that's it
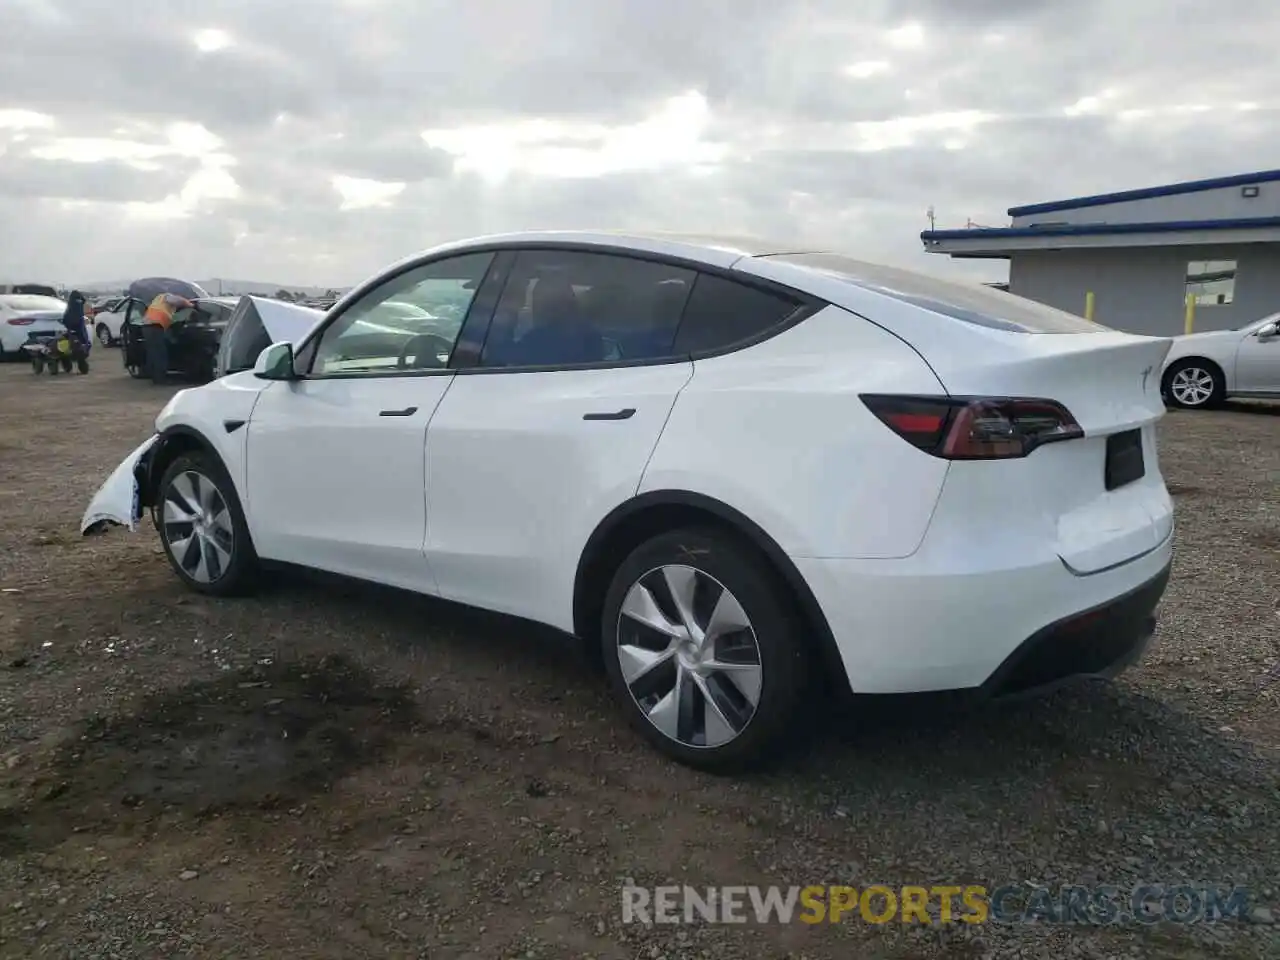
(286, 321)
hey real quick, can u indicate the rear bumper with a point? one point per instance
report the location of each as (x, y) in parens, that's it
(919, 625)
(1100, 642)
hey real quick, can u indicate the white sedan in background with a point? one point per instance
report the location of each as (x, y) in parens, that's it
(109, 321)
(21, 315)
(727, 468)
(1204, 369)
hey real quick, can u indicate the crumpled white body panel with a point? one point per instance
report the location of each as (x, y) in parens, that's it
(117, 499)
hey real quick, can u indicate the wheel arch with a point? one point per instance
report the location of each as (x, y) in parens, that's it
(173, 442)
(631, 523)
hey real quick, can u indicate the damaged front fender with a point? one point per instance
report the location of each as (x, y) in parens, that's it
(119, 500)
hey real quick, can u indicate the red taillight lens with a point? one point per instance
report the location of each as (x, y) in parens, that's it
(975, 428)
(21, 322)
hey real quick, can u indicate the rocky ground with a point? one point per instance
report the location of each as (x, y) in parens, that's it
(328, 770)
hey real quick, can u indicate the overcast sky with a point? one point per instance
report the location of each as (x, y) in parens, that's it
(314, 141)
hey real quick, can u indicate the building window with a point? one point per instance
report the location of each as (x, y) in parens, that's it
(1211, 282)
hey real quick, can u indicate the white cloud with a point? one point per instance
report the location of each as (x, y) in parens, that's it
(211, 40)
(671, 136)
(358, 193)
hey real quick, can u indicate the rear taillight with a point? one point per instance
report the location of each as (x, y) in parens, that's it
(21, 322)
(974, 428)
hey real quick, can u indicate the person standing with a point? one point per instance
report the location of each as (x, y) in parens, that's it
(155, 333)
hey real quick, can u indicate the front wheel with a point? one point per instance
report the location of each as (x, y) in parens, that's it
(703, 650)
(104, 335)
(1194, 384)
(202, 527)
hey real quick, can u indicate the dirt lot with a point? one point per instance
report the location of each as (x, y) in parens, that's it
(335, 771)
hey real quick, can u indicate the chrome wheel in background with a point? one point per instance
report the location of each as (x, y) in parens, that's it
(197, 527)
(689, 656)
(1192, 386)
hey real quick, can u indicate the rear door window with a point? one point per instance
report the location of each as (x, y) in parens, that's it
(570, 308)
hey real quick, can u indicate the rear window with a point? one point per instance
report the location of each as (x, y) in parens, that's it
(979, 305)
(22, 302)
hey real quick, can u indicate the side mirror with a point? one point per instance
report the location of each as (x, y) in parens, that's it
(275, 363)
(1268, 331)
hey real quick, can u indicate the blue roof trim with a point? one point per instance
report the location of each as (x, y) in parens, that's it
(1097, 229)
(1148, 193)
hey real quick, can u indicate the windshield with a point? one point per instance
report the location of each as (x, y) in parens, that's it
(27, 302)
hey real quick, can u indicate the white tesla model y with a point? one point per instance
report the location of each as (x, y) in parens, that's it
(728, 467)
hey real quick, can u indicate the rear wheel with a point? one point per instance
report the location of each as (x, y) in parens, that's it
(202, 527)
(104, 335)
(703, 650)
(1194, 384)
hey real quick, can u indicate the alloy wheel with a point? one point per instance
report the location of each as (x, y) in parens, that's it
(1192, 386)
(197, 527)
(689, 656)
(104, 335)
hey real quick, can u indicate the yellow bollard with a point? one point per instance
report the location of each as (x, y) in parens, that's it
(1190, 320)
(1088, 306)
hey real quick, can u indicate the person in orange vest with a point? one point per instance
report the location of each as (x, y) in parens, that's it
(155, 333)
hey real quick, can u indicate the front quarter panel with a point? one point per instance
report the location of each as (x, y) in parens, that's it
(219, 412)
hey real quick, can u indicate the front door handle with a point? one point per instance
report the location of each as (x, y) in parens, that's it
(406, 412)
(626, 414)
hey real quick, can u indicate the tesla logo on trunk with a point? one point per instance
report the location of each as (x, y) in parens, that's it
(1145, 374)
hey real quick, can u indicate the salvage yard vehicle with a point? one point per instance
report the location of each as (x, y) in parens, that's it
(28, 318)
(1204, 369)
(193, 336)
(729, 469)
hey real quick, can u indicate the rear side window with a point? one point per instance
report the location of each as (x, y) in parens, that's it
(568, 308)
(978, 305)
(722, 313)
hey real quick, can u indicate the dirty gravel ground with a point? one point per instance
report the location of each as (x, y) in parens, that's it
(329, 770)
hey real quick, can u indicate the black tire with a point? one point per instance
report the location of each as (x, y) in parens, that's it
(104, 335)
(82, 366)
(1187, 367)
(779, 640)
(240, 574)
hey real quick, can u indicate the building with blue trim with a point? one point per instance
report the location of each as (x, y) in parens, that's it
(1141, 253)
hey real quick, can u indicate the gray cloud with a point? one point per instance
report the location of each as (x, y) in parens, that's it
(313, 89)
(111, 180)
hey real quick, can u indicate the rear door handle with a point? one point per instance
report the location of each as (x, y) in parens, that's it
(406, 412)
(626, 414)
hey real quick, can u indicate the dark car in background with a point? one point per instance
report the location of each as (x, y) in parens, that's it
(194, 338)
